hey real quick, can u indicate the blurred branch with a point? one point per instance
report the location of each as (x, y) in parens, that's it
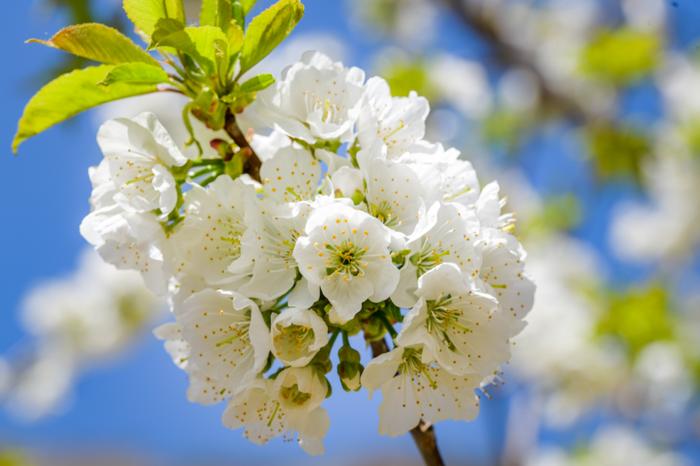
(424, 433)
(481, 21)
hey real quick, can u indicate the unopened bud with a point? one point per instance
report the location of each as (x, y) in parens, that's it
(350, 374)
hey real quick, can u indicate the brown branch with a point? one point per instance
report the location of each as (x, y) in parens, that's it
(252, 163)
(423, 434)
(507, 54)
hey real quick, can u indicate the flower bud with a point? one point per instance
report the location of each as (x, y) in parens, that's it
(350, 373)
(348, 354)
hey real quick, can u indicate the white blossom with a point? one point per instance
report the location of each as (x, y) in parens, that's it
(140, 153)
(397, 122)
(228, 338)
(458, 327)
(315, 99)
(259, 410)
(297, 335)
(346, 253)
(412, 390)
(209, 239)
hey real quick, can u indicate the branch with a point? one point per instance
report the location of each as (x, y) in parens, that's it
(507, 54)
(252, 163)
(423, 434)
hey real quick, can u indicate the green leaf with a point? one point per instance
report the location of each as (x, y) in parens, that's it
(136, 73)
(638, 317)
(99, 43)
(165, 27)
(146, 13)
(204, 44)
(618, 151)
(216, 13)
(621, 56)
(268, 29)
(70, 94)
(248, 5)
(257, 83)
(205, 39)
(235, 38)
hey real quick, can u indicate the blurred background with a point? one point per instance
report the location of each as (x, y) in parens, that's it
(588, 114)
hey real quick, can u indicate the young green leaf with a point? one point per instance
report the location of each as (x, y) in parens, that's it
(216, 13)
(268, 29)
(235, 38)
(248, 5)
(136, 73)
(257, 83)
(204, 39)
(163, 29)
(99, 43)
(146, 13)
(70, 94)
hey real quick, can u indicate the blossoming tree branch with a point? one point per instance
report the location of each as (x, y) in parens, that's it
(311, 210)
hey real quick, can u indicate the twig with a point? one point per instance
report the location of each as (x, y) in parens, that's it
(252, 163)
(423, 434)
(507, 54)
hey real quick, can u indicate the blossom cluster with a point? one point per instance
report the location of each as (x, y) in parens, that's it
(356, 225)
(75, 323)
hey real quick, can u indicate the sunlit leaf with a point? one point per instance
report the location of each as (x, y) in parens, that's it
(638, 318)
(621, 56)
(99, 43)
(617, 151)
(268, 29)
(248, 5)
(216, 13)
(70, 94)
(146, 13)
(257, 83)
(138, 73)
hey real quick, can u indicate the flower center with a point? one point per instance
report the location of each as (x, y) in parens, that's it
(382, 212)
(443, 319)
(427, 258)
(413, 365)
(345, 259)
(331, 112)
(293, 395)
(294, 338)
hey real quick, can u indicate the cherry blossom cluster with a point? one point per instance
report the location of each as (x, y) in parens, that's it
(357, 225)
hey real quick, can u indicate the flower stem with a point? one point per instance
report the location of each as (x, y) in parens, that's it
(423, 434)
(252, 163)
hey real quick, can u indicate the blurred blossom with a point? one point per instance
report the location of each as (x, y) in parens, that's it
(610, 446)
(462, 83)
(518, 90)
(645, 14)
(668, 225)
(412, 22)
(75, 322)
(581, 370)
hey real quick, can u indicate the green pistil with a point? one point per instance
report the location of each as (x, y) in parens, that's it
(273, 415)
(345, 259)
(382, 212)
(296, 336)
(413, 365)
(294, 395)
(427, 258)
(442, 318)
(239, 331)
